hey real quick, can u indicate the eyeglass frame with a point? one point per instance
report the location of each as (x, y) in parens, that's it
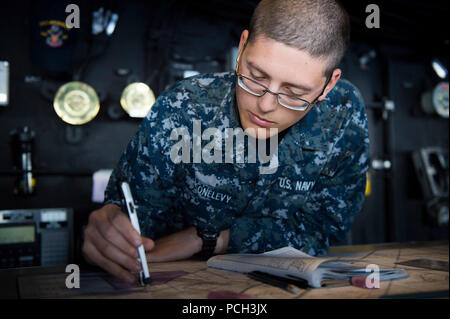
(266, 89)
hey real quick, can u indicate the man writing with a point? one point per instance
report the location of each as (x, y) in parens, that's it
(286, 79)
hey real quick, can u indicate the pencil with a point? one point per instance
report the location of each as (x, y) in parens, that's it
(273, 281)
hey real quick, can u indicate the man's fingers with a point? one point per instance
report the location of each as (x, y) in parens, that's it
(112, 252)
(121, 222)
(111, 234)
(107, 265)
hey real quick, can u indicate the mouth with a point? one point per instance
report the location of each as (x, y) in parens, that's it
(260, 121)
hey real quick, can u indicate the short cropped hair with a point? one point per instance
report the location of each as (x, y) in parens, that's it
(319, 27)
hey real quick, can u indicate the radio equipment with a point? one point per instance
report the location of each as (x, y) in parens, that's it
(36, 237)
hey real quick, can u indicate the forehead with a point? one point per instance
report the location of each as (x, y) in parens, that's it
(284, 62)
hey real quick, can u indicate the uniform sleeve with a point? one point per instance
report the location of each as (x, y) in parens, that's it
(152, 176)
(337, 196)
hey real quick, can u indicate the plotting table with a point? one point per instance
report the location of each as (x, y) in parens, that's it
(192, 279)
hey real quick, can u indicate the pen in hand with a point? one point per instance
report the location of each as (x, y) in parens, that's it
(128, 202)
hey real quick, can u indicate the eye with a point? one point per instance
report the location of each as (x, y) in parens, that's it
(258, 78)
(294, 94)
(292, 98)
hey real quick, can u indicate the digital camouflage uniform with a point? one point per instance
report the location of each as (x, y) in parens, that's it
(309, 202)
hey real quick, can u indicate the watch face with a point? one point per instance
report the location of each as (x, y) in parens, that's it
(207, 234)
(210, 235)
(209, 239)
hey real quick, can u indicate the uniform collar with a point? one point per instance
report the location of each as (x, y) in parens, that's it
(225, 115)
(307, 134)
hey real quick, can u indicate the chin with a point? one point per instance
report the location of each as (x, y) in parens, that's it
(260, 132)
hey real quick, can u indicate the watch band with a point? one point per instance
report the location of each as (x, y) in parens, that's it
(209, 239)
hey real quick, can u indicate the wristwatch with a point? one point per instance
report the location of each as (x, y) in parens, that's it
(209, 239)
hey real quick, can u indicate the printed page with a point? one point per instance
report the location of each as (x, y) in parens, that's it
(278, 266)
(287, 252)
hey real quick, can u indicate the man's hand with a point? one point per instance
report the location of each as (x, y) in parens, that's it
(182, 245)
(110, 241)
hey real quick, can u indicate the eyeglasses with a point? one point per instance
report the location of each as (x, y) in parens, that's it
(255, 88)
(288, 101)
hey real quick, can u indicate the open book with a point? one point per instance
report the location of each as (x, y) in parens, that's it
(291, 263)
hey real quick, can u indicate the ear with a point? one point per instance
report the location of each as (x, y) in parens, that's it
(242, 41)
(333, 80)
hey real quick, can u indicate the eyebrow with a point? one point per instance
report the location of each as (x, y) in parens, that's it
(298, 86)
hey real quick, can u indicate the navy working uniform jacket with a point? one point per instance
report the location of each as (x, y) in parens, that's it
(308, 201)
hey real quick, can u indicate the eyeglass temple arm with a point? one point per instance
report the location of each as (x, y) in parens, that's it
(324, 87)
(239, 55)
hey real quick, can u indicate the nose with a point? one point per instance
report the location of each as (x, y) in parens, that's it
(267, 103)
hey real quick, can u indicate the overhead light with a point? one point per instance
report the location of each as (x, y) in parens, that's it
(112, 24)
(440, 70)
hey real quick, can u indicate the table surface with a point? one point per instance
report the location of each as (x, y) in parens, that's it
(192, 279)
